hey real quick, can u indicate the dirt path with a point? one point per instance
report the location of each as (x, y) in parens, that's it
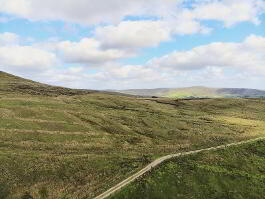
(162, 159)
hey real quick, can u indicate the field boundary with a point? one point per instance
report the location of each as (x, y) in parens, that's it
(163, 159)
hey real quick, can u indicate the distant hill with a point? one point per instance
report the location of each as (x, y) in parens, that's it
(198, 92)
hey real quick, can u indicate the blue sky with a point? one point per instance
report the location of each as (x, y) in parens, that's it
(135, 44)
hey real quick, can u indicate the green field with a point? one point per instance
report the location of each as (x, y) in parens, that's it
(64, 143)
(233, 173)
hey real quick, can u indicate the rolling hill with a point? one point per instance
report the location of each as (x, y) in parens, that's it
(64, 143)
(235, 172)
(197, 92)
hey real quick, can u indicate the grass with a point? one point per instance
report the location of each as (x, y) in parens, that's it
(64, 143)
(196, 92)
(234, 173)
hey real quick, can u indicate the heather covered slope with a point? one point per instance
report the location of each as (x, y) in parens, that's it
(10, 84)
(198, 92)
(66, 143)
(235, 172)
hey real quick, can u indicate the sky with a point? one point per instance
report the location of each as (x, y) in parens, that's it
(118, 44)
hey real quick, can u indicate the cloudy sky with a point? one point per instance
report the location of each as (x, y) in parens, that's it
(121, 44)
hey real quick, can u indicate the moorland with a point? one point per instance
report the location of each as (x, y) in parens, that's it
(64, 143)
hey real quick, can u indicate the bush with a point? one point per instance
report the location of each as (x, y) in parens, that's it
(4, 191)
(43, 192)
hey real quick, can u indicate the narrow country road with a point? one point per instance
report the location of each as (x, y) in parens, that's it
(162, 159)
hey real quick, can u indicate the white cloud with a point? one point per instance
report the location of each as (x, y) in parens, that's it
(88, 51)
(24, 58)
(145, 33)
(16, 7)
(228, 11)
(132, 72)
(142, 76)
(125, 76)
(240, 64)
(172, 17)
(89, 12)
(85, 11)
(133, 34)
(249, 55)
(256, 43)
(181, 26)
(8, 38)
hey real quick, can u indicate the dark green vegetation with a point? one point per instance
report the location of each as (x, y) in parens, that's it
(65, 143)
(198, 92)
(233, 173)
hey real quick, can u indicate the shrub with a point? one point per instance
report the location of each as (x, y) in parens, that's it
(4, 191)
(43, 192)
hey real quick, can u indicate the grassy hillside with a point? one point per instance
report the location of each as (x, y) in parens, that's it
(12, 84)
(234, 173)
(64, 143)
(198, 92)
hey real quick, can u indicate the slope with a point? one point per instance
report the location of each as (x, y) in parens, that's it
(76, 144)
(234, 172)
